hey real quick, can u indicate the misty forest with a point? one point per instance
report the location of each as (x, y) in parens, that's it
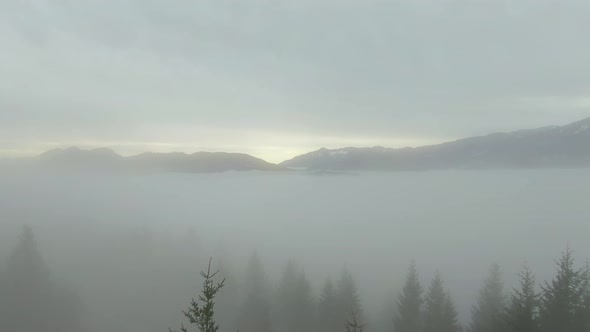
(294, 166)
(33, 300)
(87, 251)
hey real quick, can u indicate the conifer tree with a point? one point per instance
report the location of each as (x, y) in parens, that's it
(562, 299)
(434, 305)
(203, 315)
(329, 318)
(30, 299)
(255, 312)
(353, 324)
(347, 297)
(584, 312)
(439, 312)
(295, 303)
(487, 314)
(522, 313)
(450, 321)
(409, 316)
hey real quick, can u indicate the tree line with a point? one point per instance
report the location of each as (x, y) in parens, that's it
(31, 301)
(561, 304)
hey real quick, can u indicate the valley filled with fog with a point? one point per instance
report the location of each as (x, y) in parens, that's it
(131, 246)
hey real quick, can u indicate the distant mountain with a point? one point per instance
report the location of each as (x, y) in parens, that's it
(555, 146)
(104, 159)
(96, 159)
(201, 162)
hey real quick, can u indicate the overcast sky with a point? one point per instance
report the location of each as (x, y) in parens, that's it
(276, 78)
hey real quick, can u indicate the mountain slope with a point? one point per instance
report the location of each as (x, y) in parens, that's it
(73, 157)
(107, 160)
(201, 162)
(555, 146)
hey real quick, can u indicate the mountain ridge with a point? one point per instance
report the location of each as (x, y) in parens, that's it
(564, 146)
(549, 146)
(105, 159)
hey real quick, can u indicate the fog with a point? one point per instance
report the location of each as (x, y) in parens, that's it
(346, 166)
(132, 246)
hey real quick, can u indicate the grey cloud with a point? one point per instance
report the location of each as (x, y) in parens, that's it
(338, 68)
